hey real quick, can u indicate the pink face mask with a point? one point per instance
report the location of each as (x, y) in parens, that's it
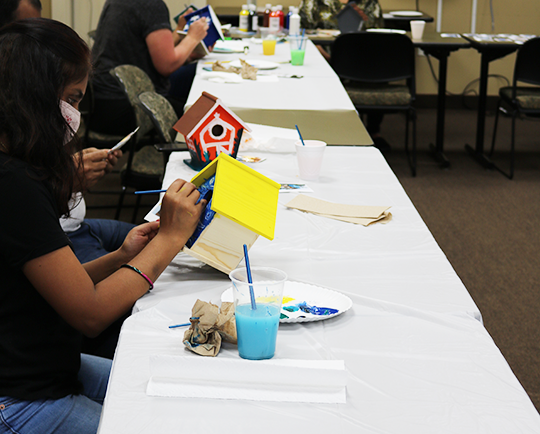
(72, 117)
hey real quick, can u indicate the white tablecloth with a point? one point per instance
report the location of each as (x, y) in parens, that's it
(317, 103)
(417, 357)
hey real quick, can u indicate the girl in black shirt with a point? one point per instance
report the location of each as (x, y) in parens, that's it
(47, 298)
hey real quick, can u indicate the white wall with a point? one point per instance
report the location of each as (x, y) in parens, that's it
(86, 12)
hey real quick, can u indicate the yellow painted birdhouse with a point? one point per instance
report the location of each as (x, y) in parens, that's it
(245, 206)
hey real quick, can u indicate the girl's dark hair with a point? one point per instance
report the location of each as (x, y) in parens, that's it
(38, 59)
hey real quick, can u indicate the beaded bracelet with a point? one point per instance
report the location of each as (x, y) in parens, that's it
(131, 267)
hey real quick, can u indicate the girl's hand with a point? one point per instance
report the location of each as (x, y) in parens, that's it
(138, 238)
(179, 213)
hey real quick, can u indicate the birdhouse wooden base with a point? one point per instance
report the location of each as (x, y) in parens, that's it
(221, 244)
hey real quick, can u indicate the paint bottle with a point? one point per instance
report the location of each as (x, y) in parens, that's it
(281, 16)
(274, 20)
(288, 18)
(243, 22)
(253, 18)
(294, 22)
(266, 16)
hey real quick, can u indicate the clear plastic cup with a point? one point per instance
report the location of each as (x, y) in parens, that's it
(257, 328)
(269, 40)
(298, 49)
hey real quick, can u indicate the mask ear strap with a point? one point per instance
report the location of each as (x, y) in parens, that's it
(72, 117)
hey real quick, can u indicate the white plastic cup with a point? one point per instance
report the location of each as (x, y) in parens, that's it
(417, 28)
(310, 157)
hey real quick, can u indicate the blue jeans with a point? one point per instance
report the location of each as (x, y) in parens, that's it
(97, 237)
(78, 414)
(181, 81)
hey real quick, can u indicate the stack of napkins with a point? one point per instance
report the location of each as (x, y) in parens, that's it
(358, 214)
(316, 381)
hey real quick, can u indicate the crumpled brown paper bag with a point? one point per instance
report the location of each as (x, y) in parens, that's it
(218, 66)
(209, 327)
(247, 71)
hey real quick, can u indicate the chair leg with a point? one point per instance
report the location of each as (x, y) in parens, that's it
(510, 174)
(512, 145)
(411, 157)
(136, 209)
(120, 203)
(413, 167)
(495, 128)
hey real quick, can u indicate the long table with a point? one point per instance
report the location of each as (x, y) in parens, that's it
(417, 357)
(317, 102)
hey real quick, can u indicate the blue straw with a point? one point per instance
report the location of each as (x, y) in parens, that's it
(250, 280)
(149, 191)
(301, 139)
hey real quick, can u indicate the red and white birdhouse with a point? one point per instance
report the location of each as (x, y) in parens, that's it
(210, 129)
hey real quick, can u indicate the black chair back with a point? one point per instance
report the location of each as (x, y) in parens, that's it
(373, 57)
(527, 68)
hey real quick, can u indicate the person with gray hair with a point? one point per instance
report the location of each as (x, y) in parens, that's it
(12, 10)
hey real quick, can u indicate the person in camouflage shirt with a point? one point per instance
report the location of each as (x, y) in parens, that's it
(321, 14)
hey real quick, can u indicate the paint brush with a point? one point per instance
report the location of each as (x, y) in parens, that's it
(149, 191)
(301, 139)
(250, 279)
(180, 325)
(183, 325)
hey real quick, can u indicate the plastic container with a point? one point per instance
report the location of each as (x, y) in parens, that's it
(310, 157)
(243, 21)
(253, 18)
(294, 23)
(288, 17)
(266, 16)
(281, 16)
(274, 20)
(257, 317)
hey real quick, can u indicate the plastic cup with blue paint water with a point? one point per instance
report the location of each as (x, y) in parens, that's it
(257, 328)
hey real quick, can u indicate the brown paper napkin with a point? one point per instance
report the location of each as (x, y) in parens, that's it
(209, 327)
(357, 214)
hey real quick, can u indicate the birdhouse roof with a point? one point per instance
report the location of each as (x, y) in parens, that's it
(199, 111)
(242, 194)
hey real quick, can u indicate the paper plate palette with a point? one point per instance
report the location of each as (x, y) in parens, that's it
(304, 302)
(259, 64)
(403, 32)
(406, 13)
(229, 47)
